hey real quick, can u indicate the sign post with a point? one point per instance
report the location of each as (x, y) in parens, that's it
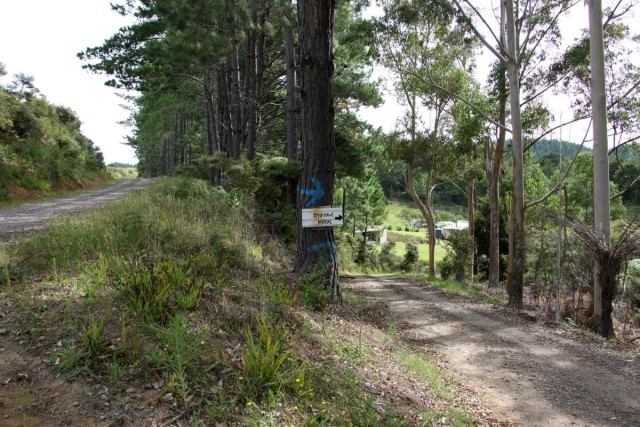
(322, 217)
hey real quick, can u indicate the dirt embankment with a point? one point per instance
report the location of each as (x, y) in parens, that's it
(529, 373)
(29, 217)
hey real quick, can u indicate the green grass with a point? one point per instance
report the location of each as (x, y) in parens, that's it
(423, 251)
(174, 287)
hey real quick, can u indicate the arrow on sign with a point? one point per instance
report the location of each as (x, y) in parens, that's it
(315, 193)
(339, 217)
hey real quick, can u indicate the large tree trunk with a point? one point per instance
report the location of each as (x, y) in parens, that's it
(516, 228)
(317, 247)
(601, 211)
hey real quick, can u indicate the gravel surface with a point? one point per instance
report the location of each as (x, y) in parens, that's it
(30, 217)
(528, 372)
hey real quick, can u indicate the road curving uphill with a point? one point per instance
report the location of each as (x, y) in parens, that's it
(24, 219)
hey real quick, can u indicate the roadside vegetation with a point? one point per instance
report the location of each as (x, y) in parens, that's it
(42, 149)
(176, 297)
(122, 171)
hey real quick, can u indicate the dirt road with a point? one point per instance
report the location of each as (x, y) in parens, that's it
(34, 216)
(529, 373)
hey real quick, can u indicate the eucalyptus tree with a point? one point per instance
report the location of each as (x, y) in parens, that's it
(471, 133)
(420, 42)
(604, 84)
(525, 29)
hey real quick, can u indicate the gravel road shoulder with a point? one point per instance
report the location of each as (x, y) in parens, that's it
(24, 219)
(529, 373)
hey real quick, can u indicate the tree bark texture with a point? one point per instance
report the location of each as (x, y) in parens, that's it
(427, 213)
(317, 247)
(516, 228)
(292, 113)
(601, 204)
(493, 163)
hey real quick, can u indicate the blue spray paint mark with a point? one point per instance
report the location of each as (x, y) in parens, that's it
(324, 245)
(316, 193)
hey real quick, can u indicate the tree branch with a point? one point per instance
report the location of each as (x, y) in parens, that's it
(477, 33)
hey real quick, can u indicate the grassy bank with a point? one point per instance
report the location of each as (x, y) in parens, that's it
(173, 301)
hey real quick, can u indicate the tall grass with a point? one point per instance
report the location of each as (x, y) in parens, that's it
(174, 219)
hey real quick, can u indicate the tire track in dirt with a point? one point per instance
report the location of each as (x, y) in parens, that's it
(31, 217)
(529, 373)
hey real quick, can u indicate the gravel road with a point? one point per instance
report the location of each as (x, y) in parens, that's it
(30, 217)
(529, 373)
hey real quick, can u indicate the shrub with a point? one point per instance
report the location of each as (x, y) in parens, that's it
(388, 260)
(411, 257)
(458, 252)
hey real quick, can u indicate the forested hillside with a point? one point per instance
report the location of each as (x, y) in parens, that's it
(41, 144)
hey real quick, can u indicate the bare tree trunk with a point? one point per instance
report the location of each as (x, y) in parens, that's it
(470, 215)
(516, 230)
(252, 75)
(427, 214)
(601, 209)
(317, 247)
(234, 85)
(292, 138)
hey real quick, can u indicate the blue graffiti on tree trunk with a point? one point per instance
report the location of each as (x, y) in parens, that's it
(316, 193)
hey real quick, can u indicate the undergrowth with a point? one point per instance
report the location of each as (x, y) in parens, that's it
(173, 296)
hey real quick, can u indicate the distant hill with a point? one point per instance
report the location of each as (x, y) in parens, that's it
(552, 146)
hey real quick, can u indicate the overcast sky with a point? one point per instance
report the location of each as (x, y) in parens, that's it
(42, 37)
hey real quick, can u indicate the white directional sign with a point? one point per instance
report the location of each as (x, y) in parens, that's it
(322, 216)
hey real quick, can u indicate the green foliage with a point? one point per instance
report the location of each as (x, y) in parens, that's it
(92, 339)
(175, 356)
(633, 282)
(154, 289)
(482, 236)
(269, 364)
(40, 143)
(313, 294)
(411, 257)
(458, 255)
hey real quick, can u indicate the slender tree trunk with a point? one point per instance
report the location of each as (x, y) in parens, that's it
(493, 164)
(516, 229)
(292, 138)
(427, 214)
(317, 247)
(601, 209)
(252, 75)
(470, 217)
(234, 85)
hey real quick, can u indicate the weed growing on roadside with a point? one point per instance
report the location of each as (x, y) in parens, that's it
(92, 339)
(176, 356)
(269, 363)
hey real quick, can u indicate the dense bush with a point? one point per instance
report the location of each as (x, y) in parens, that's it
(457, 258)
(41, 144)
(411, 257)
